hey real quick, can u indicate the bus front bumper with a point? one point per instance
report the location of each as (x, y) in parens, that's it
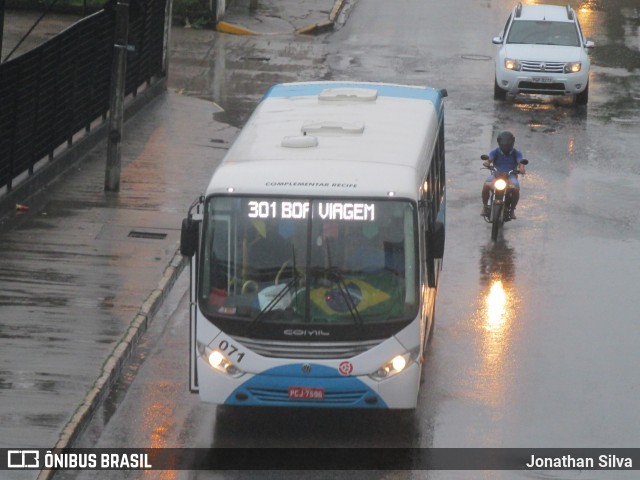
(323, 387)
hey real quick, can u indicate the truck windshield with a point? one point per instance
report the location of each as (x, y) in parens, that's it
(544, 33)
(308, 261)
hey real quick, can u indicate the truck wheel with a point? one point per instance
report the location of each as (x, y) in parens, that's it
(582, 98)
(498, 93)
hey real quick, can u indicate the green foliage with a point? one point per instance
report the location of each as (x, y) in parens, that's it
(194, 13)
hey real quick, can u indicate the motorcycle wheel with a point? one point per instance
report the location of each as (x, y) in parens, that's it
(496, 221)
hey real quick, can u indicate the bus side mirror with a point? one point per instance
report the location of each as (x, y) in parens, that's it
(436, 241)
(188, 237)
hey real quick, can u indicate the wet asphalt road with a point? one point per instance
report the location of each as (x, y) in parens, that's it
(536, 337)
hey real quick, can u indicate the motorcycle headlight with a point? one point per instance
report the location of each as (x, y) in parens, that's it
(500, 184)
(573, 67)
(394, 366)
(218, 361)
(511, 64)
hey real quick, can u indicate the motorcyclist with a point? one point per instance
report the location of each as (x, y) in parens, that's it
(505, 158)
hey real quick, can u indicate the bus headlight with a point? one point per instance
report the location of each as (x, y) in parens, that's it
(394, 366)
(218, 361)
(500, 184)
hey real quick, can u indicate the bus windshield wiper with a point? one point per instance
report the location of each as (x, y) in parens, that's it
(334, 275)
(269, 307)
(291, 284)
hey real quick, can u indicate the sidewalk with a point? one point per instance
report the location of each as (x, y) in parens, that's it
(272, 17)
(82, 271)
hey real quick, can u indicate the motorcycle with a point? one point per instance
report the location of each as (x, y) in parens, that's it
(499, 205)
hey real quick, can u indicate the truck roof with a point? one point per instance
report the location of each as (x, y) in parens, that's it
(552, 13)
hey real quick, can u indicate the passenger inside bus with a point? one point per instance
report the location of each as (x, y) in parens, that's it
(265, 252)
(354, 277)
(364, 251)
(357, 263)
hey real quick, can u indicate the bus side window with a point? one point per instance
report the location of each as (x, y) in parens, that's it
(394, 257)
(220, 266)
(391, 233)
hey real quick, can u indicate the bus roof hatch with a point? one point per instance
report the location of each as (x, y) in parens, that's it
(331, 126)
(348, 94)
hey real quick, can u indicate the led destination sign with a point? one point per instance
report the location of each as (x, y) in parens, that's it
(352, 211)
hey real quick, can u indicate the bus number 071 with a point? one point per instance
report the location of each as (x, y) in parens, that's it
(230, 350)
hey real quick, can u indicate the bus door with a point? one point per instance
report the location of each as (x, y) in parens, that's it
(189, 240)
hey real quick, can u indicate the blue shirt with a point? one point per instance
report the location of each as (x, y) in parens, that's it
(504, 163)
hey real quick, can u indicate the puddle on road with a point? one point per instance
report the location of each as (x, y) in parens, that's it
(32, 380)
(44, 420)
(616, 56)
(615, 27)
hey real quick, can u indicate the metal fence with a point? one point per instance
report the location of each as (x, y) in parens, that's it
(61, 87)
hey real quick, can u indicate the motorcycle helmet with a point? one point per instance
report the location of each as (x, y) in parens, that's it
(506, 141)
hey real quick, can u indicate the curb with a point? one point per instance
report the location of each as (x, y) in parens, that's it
(226, 27)
(326, 26)
(120, 354)
(335, 11)
(313, 28)
(316, 28)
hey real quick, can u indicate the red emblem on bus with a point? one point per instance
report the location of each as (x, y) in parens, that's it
(345, 368)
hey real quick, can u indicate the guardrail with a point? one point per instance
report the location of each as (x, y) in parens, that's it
(59, 89)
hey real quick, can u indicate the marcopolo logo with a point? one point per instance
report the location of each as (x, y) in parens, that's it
(23, 459)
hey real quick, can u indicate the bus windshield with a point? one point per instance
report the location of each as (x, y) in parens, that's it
(308, 262)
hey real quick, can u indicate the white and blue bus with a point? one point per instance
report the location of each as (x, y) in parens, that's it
(317, 249)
